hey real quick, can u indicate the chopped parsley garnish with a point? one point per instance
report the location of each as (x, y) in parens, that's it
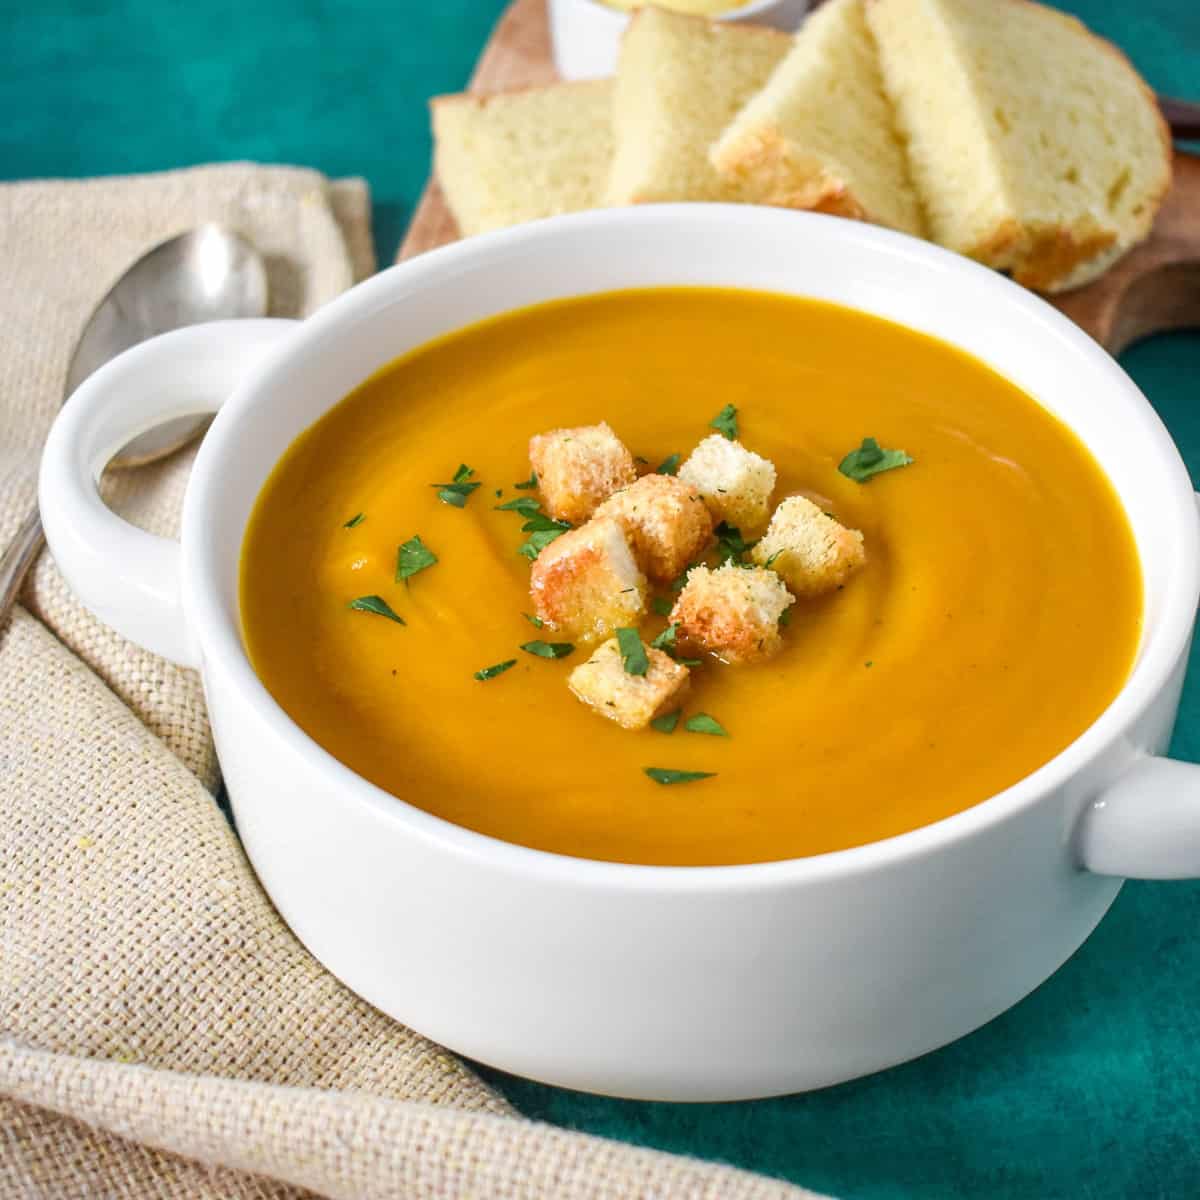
(871, 459)
(537, 542)
(703, 723)
(529, 483)
(785, 618)
(666, 776)
(542, 529)
(456, 493)
(527, 506)
(730, 543)
(413, 556)
(355, 520)
(536, 622)
(662, 605)
(669, 465)
(771, 561)
(377, 605)
(498, 669)
(540, 523)
(666, 639)
(725, 422)
(666, 723)
(633, 653)
(548, 649)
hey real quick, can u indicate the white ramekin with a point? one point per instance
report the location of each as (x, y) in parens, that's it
(586, 34)
(659, 982)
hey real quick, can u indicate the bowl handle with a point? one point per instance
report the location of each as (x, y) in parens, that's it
(1146, 824)
(125, 576)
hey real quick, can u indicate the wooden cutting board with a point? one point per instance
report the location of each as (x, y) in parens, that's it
(1153, 289)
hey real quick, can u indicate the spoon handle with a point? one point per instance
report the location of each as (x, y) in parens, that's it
(17, 560)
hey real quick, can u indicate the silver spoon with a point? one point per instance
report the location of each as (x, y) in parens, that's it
(207, 274)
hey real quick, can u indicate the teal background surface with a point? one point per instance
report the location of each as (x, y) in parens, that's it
(1088, 1089)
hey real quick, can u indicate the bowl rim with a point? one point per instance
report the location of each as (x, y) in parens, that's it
(223, 652)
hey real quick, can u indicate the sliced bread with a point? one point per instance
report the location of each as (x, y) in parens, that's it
(1034, 145)
(821, 134)
(517, 156)
(680, 81)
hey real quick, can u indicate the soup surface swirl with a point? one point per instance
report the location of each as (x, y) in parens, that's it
(997, 615)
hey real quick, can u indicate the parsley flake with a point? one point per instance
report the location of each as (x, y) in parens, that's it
(633, 653)
(354, 521)
(540, 523)
(725, 422)
(537, 542)
(456, 493)
(377, 605)
(666, 723)
(669, 465)
(666, 639)
(536, 622)
(730, 543)
(703, 723)
(498, 669)
(662, 605)
(413, 556)
(548, 649)
(666, 776)
(527, 506)
(529, 483)
(871, 459)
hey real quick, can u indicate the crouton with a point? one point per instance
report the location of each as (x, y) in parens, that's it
(665, 520)
(586, 583)
(633, 701)
(732, 611)
(735, 482)
(808, 549)
(578, 468)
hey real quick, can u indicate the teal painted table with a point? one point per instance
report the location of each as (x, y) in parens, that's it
(1091, 1087)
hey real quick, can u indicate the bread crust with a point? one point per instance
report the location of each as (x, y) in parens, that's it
(763, 156)
(666, 521)
(632, 701)
(585, 583)
(732, 612)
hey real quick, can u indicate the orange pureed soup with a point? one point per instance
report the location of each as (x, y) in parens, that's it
(969, 650)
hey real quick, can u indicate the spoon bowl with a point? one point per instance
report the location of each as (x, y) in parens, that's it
(206, 274)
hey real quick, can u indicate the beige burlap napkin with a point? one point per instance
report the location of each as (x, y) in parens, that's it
(162, 1033)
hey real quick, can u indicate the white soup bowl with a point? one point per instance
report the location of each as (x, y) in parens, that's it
(679, 983)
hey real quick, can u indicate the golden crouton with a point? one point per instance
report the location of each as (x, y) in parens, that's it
(665, 520)
(633, 701)
(808, 549)
(585, 583)
(578, 468)
(732, 611)
(735, 482)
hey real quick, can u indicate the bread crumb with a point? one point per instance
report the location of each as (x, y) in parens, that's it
(811, 551)
(578, 469)
(732, 612)
(633, 701)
